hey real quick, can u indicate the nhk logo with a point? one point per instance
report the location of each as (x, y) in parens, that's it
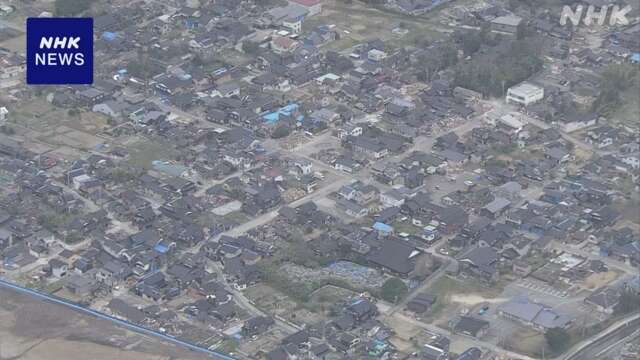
(59, 51)
(617, 16)
(55, 58)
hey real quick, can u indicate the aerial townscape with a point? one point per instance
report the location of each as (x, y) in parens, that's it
(324, 179)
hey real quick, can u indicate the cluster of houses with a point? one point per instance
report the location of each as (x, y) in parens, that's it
(98, 226)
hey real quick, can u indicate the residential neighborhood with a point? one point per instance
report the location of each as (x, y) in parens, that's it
(332, 179)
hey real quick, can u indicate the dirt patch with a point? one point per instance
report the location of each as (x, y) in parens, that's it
(598, 280)
(31, 329)
(526, 341)
(473, 299)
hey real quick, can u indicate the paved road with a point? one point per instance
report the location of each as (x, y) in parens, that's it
(604, 341)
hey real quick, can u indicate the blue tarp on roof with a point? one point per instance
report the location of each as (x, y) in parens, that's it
(109, 36)
(382, 227)
(635, 58)
(161, 248)
(272, 118)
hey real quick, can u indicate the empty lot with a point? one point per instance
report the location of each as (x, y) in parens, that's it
(36, 330)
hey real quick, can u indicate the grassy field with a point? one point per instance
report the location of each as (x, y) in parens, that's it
(144, 151)
(357, 22)
(627, 113)
(323, 298)
(453, 295)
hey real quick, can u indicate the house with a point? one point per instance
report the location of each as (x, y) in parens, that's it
(361, 309)
(421, 303)
(376, 55)
(257, 325)
(111, 108)
(313, 7)
(481, 262)
(369, 147)
(470, 354)
(227, 90)
(524, 94)
(352, 208)
(171, 84)
(470, 326)
(346, 164)
(495, 208)
(396, 256)
(632, 160)
(57, 268)
(291, 12)
(81, 285)
(466, 95)
(392, 198)
(573, 121)
(281, 44)
(533, 314)
(113, 273)
(431, 352)
(349, 130)
(602, 136)
(521, 268)
(557, 154)
(510, 123)
(507, 24)
(344, 342)
(510, 190)
(604, 299)
(12, 65)
(4, 115)
(121, 309)
(90, 96)
(293, 24)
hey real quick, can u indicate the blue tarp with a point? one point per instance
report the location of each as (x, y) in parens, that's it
(272, 118)
(161, 248)
(109, 36)
(382, 227)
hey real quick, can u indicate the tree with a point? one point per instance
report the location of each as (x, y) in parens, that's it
(616, 79)
(71, 7)
(558, 339)
(280, 132)
(628, 303)
(250, 47)
(505, 65)
(393, 290)
(471, 42)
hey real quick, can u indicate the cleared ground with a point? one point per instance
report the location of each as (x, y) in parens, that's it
(31, 329)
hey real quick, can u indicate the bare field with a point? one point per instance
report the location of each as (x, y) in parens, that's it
(36, 330)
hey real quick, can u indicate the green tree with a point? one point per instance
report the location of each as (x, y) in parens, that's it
(629, 302)
(393, 290)
(250, 47)
(558, 339)
(616, 79)
(471, 42)
(505, 65)
(280, 132)
(71, 7)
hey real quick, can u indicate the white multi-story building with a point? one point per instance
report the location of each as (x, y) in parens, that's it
(524, 94)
